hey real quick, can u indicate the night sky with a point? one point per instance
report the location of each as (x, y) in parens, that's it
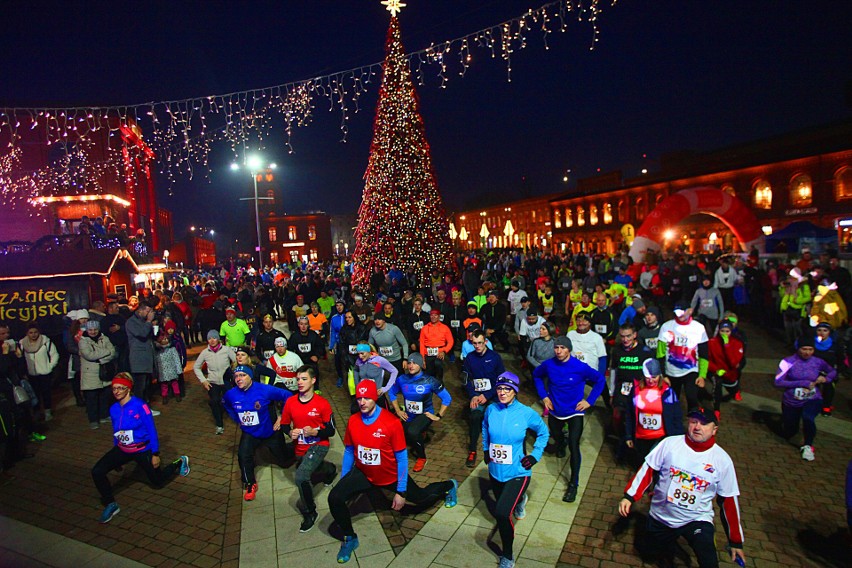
(664, 76)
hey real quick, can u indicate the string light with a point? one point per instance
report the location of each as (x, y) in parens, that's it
(183, 131)
(401, 220)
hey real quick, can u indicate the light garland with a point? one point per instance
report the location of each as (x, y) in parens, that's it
(182, 131)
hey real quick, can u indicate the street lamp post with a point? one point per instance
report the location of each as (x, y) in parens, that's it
(254, 164)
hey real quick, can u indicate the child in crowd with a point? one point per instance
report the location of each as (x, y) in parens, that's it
(168, 366)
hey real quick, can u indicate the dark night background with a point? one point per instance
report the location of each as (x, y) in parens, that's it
(664, 76)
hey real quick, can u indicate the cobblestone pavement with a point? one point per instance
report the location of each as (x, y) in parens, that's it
(793, 511)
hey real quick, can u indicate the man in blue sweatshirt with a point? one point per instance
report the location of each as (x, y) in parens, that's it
(560, 383)
(248, 405)
(480, 370)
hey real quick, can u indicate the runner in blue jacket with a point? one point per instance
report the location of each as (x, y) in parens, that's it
(480, 370)
(504, 430)
(563, 397)
(248, 405)
(417, 389)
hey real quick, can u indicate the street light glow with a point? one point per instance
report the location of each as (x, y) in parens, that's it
(235, 166)
(253, 162)
(273, 165)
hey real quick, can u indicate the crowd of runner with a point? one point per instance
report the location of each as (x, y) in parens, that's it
(579, 327)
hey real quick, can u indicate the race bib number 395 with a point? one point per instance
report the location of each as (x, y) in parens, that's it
(500, 453)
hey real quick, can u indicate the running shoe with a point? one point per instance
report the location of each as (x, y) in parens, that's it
(184, 466)
(347, 547)
(329, 478)
(738, 396)
(104, 420)
(471, 460)
(48, 415)
(251, 491)
(827, 411)
(155, 412)
(560, 452)
(110, 511)
(571, 494)
(94, 425)
(521, 508)
(339, 383)
(220, 430)
(718, 414)
(36, 437)
(452, 497)
(452, 358)
(506, 562)
(420, 464)
(808, 453)
(308, 522)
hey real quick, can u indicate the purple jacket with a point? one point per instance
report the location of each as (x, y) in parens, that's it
(795, 375)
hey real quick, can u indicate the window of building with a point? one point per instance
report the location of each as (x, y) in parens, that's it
(569, 219)
(557, 219)
(607, 213)
(660, 197)
(269, 176)
(270, 194)
(593, 214)
(291, 233)
(273, 234)
(801, 191)
(294, 256)
(581, 216)
(312, 232)
(313, 254)
(843, 183)
(729, 189)
(763, 194)
(273, 256)
(640, 208)
(623, 211)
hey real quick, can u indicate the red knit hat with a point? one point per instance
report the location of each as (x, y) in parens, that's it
(367, 389)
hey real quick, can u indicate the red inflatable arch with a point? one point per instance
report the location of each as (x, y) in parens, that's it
(709, 200)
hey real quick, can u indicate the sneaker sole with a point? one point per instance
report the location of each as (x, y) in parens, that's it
(114, 513)
(185, 473)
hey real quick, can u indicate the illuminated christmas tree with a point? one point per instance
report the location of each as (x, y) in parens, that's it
(401, 220)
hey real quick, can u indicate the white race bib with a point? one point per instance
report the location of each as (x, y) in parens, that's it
(706, 303)
(369, 456)
(353, 349)
(267, 355)
(124, 437)
(500, 453)
(693, 278)
(684, 497)
(386, 351)
(304, 348)
(455, 323)
(307, 440)
(418, 325)
(651, 342)
(431, 351)
(579, 355)
(626, 388)
(804, 394)
(600, 328)
(566, 285)
(651, 421)
(362, 317)
(413, 407)
(249, 418)
(681, 341)
(291, 383)
(481, 385)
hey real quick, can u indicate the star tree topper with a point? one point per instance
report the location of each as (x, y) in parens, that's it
(393, 6)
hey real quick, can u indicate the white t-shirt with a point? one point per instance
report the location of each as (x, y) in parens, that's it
(587, 347)
(682, 341)
(689, 481)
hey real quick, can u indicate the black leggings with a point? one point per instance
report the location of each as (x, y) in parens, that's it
(248, 444)
(690, 389)
(732, 388)
(508, 494)
(474, 422)
(435, 367)
(215, 395)
(115, 458)
(355, 482)
(575, 431)
(414, 434)
(660, 539)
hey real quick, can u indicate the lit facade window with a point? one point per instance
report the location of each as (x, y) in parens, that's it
(294, 256)
(269, 176)
(313, 255)
(763, 195)
(801, 191)
(729, 189)
(557, 219)
(270, 194)
(292, 234)
(273, 234)
(273, 256)
(312, 232)
(607, 213)
(581, 216)
(569, 219)
(843, 183)
(640, 208)
(623, 211)
(593, 214)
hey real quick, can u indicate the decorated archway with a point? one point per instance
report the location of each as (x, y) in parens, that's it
(708, 200)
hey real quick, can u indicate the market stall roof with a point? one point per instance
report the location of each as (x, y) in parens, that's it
(61, 263)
